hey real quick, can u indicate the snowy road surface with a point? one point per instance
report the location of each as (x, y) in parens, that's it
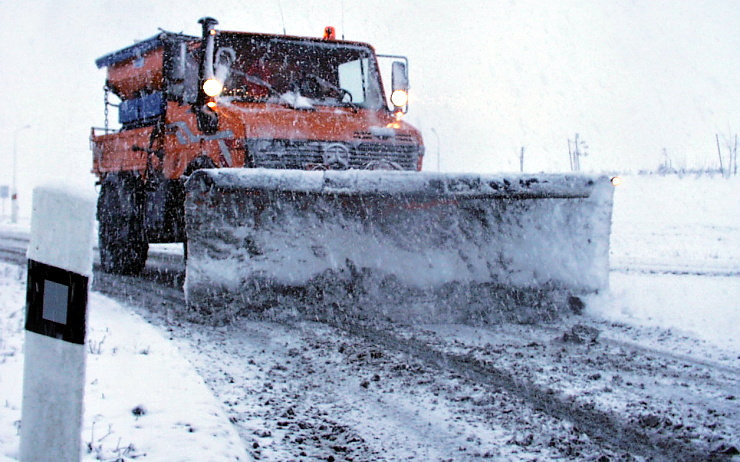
(650, 372)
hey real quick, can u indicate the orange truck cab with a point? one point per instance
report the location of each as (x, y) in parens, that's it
(236, 100)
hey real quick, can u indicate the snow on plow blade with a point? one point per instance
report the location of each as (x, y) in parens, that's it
(401, 245)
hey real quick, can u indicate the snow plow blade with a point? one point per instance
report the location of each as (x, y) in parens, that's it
(408, 246)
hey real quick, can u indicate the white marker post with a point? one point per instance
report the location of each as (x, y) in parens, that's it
(60, 259)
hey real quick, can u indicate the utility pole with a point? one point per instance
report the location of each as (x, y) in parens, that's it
(575, 152)
(14, 186)
(521, 160)
(570, 155)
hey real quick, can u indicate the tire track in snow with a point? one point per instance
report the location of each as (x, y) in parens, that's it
(603, 426)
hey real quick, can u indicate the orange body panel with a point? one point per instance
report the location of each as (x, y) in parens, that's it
(115, 152)
(137, 75)
(274, 121)
(240, 121)
(184, 142)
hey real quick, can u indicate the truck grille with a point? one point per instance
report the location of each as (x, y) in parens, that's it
(286, 154)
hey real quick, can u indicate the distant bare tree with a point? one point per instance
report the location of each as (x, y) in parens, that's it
(730, 143)
(666, 167)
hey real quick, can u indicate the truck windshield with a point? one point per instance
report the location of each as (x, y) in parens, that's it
(270, 69)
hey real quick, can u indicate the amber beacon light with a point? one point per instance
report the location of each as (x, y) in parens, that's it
(330, 33)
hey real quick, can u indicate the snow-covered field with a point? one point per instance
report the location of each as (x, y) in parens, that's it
(676, 277)
(675, 256)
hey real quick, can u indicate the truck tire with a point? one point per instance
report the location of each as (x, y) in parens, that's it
(122, 233)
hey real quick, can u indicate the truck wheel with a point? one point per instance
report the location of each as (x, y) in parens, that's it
(122, 234)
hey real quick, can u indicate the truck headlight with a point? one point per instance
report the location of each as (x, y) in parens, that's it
(213, 87)
(399, 98)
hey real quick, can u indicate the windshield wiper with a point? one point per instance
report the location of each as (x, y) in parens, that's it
(291, 99)
(258, 81)
(339, 93)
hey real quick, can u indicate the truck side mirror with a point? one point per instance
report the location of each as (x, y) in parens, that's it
(399, 76)
(399, 85)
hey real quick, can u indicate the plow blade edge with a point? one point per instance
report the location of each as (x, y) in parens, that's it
(401, 245)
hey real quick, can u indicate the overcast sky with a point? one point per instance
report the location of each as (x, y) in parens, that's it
(634, 78)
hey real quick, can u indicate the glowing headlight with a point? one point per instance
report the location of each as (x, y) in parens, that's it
(399, 98)
(212, 87)
(616, 181)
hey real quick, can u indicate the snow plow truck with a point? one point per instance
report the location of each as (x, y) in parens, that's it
(287, 169)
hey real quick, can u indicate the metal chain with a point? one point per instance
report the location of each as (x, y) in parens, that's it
(106, 89)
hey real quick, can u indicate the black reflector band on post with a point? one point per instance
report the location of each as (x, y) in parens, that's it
(56, 302)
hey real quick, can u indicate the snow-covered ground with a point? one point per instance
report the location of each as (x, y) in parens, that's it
(675, 256)
(143, 400)
(676, 269)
